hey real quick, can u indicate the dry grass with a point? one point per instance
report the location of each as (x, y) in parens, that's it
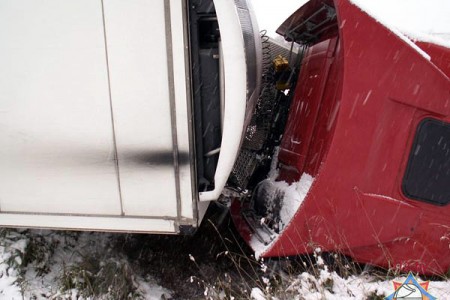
(214, 263)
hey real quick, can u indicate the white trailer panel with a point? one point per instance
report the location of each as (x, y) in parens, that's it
(140, 96)
(56, 153)
(98, 122)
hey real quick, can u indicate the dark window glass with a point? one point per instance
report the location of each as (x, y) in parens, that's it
(427, 176)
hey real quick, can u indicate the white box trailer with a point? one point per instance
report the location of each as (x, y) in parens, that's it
(121, 115)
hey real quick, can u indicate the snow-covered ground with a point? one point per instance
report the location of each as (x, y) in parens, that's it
(45, 265)
(66, 265)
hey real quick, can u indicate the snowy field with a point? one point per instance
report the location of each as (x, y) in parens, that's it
(67, 265)
(38, 264)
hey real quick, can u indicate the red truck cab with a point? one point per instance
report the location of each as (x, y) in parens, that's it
(369, 121)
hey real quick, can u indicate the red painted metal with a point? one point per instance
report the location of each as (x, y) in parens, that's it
(360, 96)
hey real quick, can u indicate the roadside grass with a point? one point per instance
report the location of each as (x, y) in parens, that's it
(96, 276)
(42, 264)
(214, 263)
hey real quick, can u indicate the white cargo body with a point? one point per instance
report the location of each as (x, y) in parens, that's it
(103, 124)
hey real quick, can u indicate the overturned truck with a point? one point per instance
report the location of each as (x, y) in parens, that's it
(365, 148)
(133, 116)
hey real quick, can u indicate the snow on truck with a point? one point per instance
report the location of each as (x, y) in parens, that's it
(134, 115)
